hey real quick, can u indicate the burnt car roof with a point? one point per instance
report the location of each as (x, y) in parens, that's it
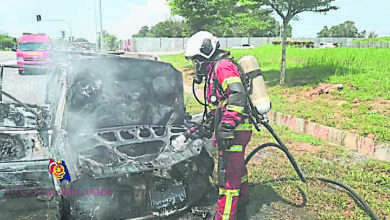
(110, 91)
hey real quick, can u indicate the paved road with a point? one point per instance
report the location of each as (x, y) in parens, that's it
(27, 88)
(7, 57)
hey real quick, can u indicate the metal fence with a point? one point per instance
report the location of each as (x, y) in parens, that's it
(179, 44)
(343, 42)
(370, 45)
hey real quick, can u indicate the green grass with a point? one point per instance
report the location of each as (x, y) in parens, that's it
(177, 60)
(364, 73)
(368, 177)
(366, 68)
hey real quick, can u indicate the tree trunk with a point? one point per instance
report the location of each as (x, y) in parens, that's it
(283, 67)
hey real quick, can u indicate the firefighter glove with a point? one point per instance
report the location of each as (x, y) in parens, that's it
(225, 136)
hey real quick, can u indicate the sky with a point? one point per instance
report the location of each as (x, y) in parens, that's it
(125, 17)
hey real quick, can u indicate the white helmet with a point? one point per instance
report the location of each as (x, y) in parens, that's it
(202, 44)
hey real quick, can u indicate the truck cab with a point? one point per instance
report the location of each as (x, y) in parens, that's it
(33, 52)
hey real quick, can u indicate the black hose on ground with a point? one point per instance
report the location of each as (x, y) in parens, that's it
(282, 147)
(285, 150)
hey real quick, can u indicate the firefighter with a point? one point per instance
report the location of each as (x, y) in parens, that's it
(226, 101)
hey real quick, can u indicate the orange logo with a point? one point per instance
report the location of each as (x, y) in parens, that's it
(58, 171)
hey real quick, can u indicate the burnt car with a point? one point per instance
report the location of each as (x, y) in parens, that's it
(25, 186)
(114, 123)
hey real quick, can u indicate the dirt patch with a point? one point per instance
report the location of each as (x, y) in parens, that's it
(303, 148)
(292, 98)
(323, 89)
(381, 107)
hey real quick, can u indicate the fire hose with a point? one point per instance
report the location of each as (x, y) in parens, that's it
(281, 146)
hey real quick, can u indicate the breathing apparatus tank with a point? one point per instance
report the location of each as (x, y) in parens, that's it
(254, 80)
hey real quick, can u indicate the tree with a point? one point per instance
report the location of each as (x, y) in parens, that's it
(80, 39)
(246, 21)
(199, 13)
(345, 29)
(110, 41)
(324, 32)
(143, 32)
(237, 20)
(170, 28)
(287, 10)
(372, 34)
(225, 18)
(7, 42)
(362, 34)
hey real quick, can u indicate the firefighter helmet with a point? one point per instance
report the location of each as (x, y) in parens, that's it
(203, 44)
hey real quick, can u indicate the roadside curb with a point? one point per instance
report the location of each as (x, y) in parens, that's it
(364, 145)
(149, 56)
(8, 52)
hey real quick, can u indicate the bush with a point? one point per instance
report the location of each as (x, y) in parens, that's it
(7, 43)
(296, 43)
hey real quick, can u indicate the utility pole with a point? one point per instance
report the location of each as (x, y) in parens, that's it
(101, 26)
(96, 27)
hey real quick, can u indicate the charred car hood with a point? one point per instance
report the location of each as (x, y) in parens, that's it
(113, 91)
(122, 114)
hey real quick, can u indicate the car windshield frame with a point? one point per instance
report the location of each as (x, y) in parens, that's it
(34, 46)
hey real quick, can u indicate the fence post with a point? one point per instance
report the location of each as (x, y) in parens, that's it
(1, 83)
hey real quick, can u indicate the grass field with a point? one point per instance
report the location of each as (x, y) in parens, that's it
(362, 106)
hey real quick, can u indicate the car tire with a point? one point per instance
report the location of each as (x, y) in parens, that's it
(21, 72)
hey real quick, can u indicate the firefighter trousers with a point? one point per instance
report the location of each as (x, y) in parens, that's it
(234, 190)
